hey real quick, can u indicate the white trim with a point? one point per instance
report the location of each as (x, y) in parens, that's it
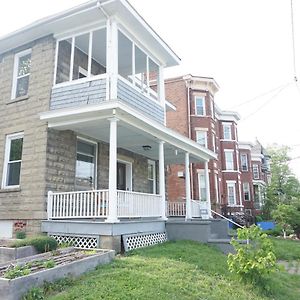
(201, 172)
(227, 162)
(248, 187)
(15, 72)
(90, 141)
(231, 184)
(128, 169)
(152, 162)
(198, 132)
(83, 71)
(227, 125)
(247, 163)
(9, 138)
(256, 167)
(203, 102)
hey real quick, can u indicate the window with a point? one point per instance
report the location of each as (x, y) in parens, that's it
(255, 172)
(231, 194)
(151, 177)
(12, 160)
(227, 131)
(199, 106)
(246, 189)
(86, 165)
(21, 74)
(229, 160)
(201, 138)
(81, 56)
(202, 185)
(217, 188)
(244, 162)
(214, 142)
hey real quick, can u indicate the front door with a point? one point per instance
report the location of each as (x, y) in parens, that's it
(121, 176)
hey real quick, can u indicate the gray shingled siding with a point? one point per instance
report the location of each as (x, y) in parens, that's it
(130, 96)
(91, 92)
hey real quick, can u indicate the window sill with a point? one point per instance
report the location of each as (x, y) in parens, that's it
(10, 190)
(18, 99)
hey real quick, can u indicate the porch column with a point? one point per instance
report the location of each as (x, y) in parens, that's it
(112, 177)
(207, 188)
(162, 189)
(188, 214)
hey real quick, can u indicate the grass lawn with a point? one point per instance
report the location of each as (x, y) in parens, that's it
(174, 270)
(286, 249)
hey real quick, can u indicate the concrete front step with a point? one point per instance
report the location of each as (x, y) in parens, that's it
(224, 244)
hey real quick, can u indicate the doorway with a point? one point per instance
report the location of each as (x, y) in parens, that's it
(124, 176)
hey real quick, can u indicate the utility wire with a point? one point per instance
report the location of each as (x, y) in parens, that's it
(293, 42)
(259, 96)
(266, 102)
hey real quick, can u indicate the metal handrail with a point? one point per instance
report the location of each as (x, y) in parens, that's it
(229, 220)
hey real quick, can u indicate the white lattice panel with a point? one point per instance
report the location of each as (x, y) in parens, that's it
(143, 240)
(86, 242)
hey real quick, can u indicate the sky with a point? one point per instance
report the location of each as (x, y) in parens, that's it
(245, 45)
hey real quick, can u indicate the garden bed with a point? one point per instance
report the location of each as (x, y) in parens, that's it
(17, 277)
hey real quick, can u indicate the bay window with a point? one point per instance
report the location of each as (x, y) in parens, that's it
(229, 164)
(231, 194)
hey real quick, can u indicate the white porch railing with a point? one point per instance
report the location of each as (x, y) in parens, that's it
(94, 204)
(81, 204)
(133, 204)
(176, 209)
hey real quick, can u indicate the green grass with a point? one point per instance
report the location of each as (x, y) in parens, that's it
(286, 249)
(174, 270)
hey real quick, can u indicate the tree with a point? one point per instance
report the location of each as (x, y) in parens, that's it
(284, 186)
(283, 216)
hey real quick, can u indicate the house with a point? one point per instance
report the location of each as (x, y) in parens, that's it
(83, 140)
(234, 186)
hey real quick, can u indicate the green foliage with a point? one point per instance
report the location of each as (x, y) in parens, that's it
(40, 243)
(288, 250)
(21, 235)
(34, 294)
(252, 260)
(258, 218)
(17, 271)
(48, 264)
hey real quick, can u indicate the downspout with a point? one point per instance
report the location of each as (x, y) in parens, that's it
(190, 134)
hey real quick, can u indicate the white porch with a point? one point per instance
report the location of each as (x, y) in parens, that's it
(123, 128)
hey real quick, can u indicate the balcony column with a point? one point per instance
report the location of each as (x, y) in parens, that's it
(112, 177)
(162, 188)
(161, 89)
(188, 214)
(207, 188)
(112, 59)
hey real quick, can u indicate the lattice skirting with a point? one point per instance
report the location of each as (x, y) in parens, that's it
(85, 242)
(134, 241)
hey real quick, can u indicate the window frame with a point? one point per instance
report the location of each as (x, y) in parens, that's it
(203, 105)
(17, 58)
(231, 185)
(8, 140)
(230, 131)
(205, 137)
(255, 166)
(247, 165)
(201, 173)
(153, 164)
(226, 161)
(246, 190)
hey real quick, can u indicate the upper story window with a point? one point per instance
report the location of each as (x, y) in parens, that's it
(199, 106)
(231, 194)
(246, 190)
(255, 171)
(136, 66)
(244, 162)
(202, 185)
(21, 75)
(12, 160)
(201, 138)
(229, 160)
(80, 56)
(227, 132)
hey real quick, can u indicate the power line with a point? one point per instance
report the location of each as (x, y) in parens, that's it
(265, 103)
(259, 96)
(293, 42)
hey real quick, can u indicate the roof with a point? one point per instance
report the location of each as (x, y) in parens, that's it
(90, 12)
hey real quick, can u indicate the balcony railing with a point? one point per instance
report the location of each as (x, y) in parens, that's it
(94, 204)
(199, 209)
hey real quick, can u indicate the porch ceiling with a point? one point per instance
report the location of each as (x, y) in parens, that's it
(132, 135)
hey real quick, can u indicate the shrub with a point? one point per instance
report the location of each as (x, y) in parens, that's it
(40, 243)
(254, 259)
(49, 264)
(17, 271)
(21, 235)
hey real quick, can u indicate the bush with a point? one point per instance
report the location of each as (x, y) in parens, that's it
(40, 243)
(21, 235)
(254, 259)
(277, 231)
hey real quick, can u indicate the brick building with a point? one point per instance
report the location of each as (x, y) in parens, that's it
(232, 187)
